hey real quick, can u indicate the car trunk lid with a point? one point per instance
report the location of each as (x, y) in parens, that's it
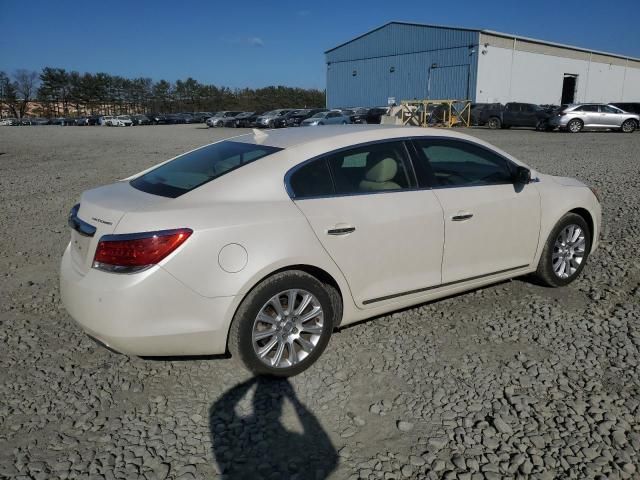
(101, 209)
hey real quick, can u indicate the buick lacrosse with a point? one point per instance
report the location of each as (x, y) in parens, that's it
(262, 244)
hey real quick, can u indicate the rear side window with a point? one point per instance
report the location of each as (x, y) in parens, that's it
(371, 168)
(191, 170)
(368, 169)
(312, 180)
(452, 163)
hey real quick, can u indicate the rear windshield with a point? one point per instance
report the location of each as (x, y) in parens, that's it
(193, 169)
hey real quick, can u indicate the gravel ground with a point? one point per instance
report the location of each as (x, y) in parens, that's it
(510, 381)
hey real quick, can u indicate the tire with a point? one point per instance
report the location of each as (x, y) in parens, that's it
(551, 257)
(260, 302)
(575, 126)
(494, 123)
(629, 126)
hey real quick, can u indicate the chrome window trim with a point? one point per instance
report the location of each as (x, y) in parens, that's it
(410, 170)
(412, 157)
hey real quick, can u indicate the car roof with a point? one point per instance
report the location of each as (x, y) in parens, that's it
(290, 137)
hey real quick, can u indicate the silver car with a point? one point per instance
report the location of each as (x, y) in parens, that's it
(334, 117)
(574, 118)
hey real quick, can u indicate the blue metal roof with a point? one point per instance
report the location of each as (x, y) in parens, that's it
(403, 61)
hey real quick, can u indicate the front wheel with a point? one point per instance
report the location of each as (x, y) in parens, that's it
(565, 252)
(284, 324)
(629, 126)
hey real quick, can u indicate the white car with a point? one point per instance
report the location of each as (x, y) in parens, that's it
(120, 121)
(262, 244)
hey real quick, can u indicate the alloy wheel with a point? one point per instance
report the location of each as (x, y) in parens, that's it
(628, 126)
(575, 126)
(568, 251)
(287, 328)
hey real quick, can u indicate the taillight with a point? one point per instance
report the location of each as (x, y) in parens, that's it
(131, 253)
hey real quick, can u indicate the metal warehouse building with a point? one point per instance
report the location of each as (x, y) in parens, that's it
(405, 61)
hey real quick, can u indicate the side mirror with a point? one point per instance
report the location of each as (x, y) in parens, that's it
(522, 175)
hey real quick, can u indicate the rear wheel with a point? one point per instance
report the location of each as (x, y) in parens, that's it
(494, 123)
(575, 125)
(284, 324)
(629, 126)
(565, 252)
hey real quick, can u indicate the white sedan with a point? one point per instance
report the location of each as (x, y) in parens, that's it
(261, 245)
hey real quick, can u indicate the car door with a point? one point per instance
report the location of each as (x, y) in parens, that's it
(590, 115)
(610, 116)
(491, 225)
(332, 118)
(529, 115)
(511, 115)
(385, 235)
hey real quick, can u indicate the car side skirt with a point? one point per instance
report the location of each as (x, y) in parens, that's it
(442, 285)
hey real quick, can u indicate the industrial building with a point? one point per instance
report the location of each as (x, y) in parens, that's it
(405, 61)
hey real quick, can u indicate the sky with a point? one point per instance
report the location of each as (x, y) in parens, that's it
(252, 43)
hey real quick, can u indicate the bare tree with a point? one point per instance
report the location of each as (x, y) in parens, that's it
(25, 83)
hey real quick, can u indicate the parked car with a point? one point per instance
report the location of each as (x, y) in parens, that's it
(281, 121)
(219, 118)
(294, 119)
(187, 117)
(251, 121)
(631, 107)
(105, 120)
(326, 118)
(201, 117)
(476, 114)
(181, 256)
(243, 119)
(174, 119)
(515, 114)
(140, 120)
(9, 122)
(268, 119)
(232, 121)
(593, 116)
(121, 121)
(70, 121)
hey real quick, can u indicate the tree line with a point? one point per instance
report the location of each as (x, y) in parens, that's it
(57, 92)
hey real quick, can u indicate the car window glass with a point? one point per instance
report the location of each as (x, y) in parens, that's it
(456, 164)
(608, 109)
(371, 168)
(312, 180)
(588, 108)
(189, 171)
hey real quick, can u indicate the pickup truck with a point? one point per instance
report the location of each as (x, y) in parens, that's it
(515, 114)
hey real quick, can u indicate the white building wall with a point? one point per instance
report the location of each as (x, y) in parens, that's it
(506, 74)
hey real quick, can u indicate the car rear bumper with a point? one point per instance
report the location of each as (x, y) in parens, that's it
(147, 313)
(558, 121)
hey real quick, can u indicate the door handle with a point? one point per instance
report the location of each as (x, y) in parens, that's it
(341, 230)
(462, 216)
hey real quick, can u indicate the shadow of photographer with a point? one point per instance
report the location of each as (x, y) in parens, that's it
(257, 445)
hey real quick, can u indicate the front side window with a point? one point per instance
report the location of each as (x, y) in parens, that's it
(191, 170)
(609, 109)
(452, 163)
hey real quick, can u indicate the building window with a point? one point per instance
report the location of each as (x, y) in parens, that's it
(392, 69)
(354, 73)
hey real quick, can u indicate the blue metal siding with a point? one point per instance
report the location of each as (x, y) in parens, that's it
(410, 51)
